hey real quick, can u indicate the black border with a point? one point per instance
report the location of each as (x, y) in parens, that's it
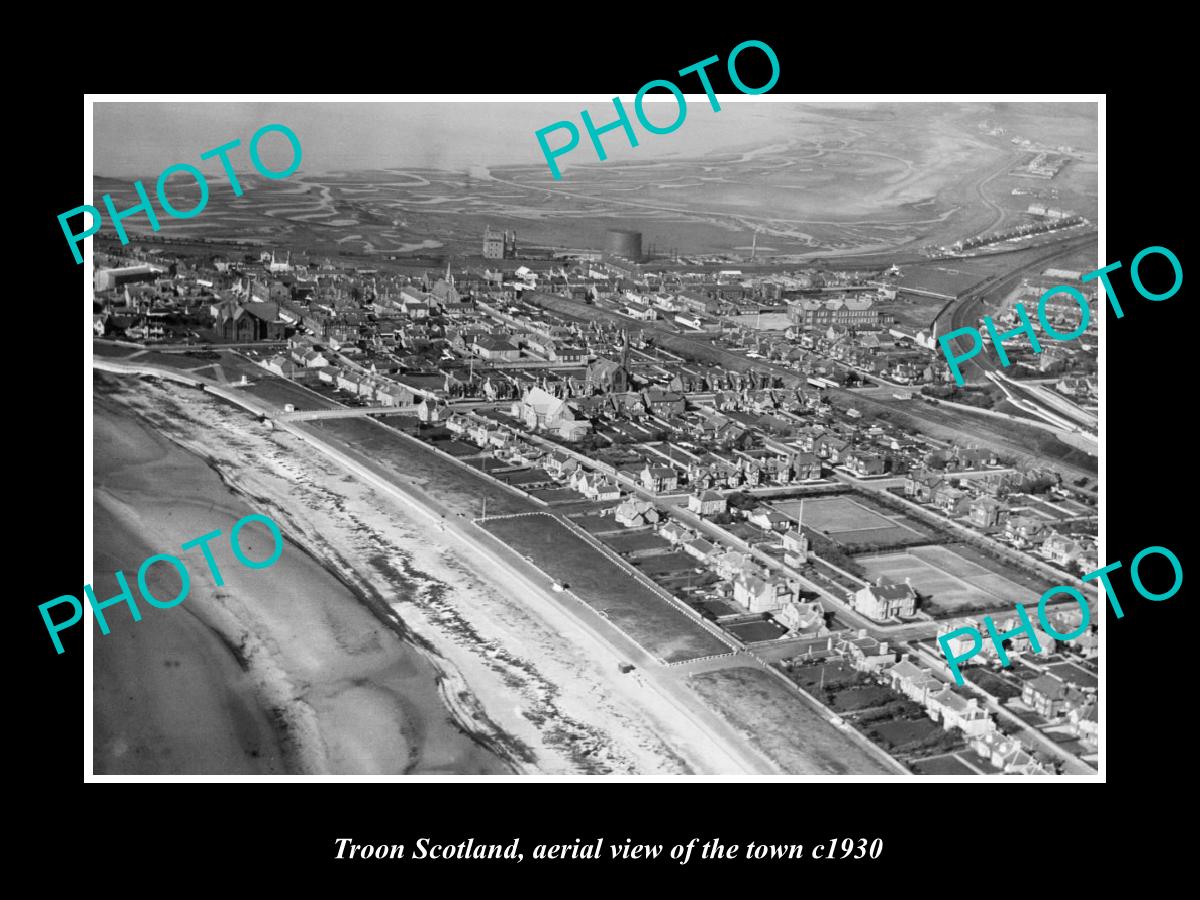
(946, 834)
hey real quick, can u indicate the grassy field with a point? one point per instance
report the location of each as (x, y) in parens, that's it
(595, 524)
(782, 724)
(991, 682)
(865, 696)
(666, 563)
(630, 543)
(524, 476)
(829, 673)
(111, 352)
(1032, 584)
(848, 521)
(554, 495)
(764, 630)
(455, 487)
(602, 584)
(949, 580)
(454, 447)
(902, 734)
(279, 391)
(942, 765)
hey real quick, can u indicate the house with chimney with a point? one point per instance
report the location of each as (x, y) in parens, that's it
(700, 549)
(886, 600)
(955, 711)
(923, 485)
(913, 681)
(634, 513)
(559, 464)
(763, 594)
(802, 618)
(795, 548)
(984, 512)
(865, 653)
(768, 519)
(659, 478)
(1025, 531)
(541, 411)
(432, 411)
(1046, 696)
(1006, 754)
(706, 503)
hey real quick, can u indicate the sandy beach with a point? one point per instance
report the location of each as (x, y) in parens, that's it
(376, 645)
(282, 670)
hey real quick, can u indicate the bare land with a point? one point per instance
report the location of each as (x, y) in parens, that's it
(783, 724)
(652, 621)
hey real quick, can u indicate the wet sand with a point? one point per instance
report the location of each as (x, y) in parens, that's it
(517, 670)
(280, 670)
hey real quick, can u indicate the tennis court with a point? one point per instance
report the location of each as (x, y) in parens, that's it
(948, 579)
(847, 521)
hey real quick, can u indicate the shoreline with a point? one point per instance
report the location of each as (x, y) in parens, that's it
(514, 668)
(389, 722)
(501, 747)
(511, 642)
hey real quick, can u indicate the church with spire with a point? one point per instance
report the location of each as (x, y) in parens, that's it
(607, 376)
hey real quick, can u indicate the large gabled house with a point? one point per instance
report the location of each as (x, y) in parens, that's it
(914, 682)
(802, 618)
(954, 711)
(634, 513)
(659, 478)
(760, 594)
(1025, 531)
(885, 600)
(795, 547)
(1046, 696)
(541, 411)
(1063, 549)
(923, 485)
(706, 503)
(559, 464)
(768, 519)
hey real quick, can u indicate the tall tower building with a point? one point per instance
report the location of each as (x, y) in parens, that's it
(499, 244)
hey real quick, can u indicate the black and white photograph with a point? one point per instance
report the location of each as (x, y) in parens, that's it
(526, 437)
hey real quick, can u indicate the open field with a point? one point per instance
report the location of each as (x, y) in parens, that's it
(943, 765)
(992, 682)
(653, 622)
(1031, 584)
(631, 543)
(848, 522)
(555, 495)
(827, 674)
(112, 352)
(1050, 509)
(666, 563)
(950, 580)
(280, 392)
(783, 724)
(594, 524)
(947, 276)
(764, 630)
(458, 489)
(901, 734)
(865, 696)
(523, 477)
